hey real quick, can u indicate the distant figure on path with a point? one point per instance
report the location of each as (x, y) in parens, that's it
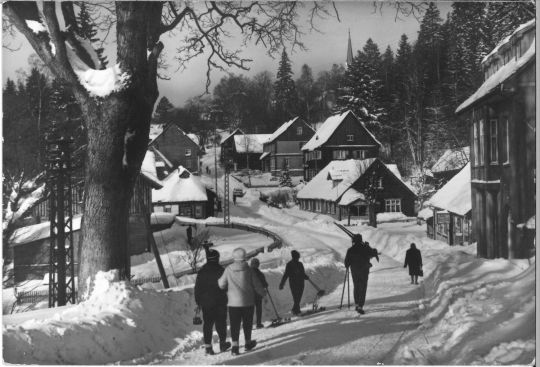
(213, 301)
(234, 199)
(294, 271)
(258, 299)
(189, 234)
(242, 284)
(413, 258)
(358, 259)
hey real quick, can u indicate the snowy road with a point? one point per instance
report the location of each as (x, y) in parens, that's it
(335, 336)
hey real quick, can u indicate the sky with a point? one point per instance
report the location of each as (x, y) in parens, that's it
(323, 49)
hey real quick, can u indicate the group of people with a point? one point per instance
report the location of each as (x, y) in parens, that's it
(240, 288)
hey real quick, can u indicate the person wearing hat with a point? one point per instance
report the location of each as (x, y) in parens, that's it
(413, 259)
(258, 299)
(212, 300)
(242, 285)
(294, 271)
(358, 259)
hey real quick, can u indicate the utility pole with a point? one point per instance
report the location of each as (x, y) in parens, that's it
(61, 259)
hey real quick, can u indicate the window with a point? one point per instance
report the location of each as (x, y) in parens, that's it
(481, 142)
(318, 205)
(475, 143)
(286, 163)
(299, 130)
(188, 163)
(494, 146)
(505, 140)
(317, 154)
(392, 205)
(358, 154)
(198, 211)
(350, 137)
(167, 209)
(380, 186)
(188, 152)
(339, 154)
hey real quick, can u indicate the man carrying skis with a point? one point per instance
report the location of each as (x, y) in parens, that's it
(212, 300)
(294, 271)
(357, 258)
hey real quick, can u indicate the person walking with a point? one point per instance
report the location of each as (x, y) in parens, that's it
(189, 234)
(242, 284)
(212, 300)
(294, 271)
(358, 259)
(258, 299)
(413, 259)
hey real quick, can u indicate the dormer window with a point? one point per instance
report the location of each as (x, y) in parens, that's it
(299, 130)
(350, 137)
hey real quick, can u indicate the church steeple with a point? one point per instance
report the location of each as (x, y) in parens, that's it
(349, 50)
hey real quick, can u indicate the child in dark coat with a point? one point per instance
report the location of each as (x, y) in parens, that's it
(258, 299)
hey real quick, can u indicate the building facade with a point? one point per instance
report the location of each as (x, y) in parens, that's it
(341, 137)
(243, 151)
(177, 148)
(502, 119)
(283, 151)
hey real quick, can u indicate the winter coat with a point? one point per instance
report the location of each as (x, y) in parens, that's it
(208, 294)
(261, 277)
(241, 284)
(294, 271)
(413, 258)
(359, 255)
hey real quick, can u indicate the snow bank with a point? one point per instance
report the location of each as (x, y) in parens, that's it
(36, 26)
(390, 217)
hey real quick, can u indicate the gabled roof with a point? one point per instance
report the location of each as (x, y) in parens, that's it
(512, 68)
(38, 232)
(280, 130)
(455, 196)
(156, 130)
(160, 157)
(322, 186)
(148, 169)
(235, 131)
(452, 159)
(250, 143)
(326, 131)
(180, 186)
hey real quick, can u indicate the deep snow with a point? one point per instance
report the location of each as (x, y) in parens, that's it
(465, 311)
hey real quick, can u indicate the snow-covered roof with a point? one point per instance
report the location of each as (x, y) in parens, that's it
(522, 28)
(321, 187)
(250, 143)
(38, 232)
(425, 213)
(500, 76)
(280, 130)
(160, 157)
(158, 129)
(180, 186)
(148, 169)
(455, 196)
(193, 137)
(394, 169)
(155, 131)
(452, 159)
(265, 154)
(223, 140)
(350, 196)
(324, 133)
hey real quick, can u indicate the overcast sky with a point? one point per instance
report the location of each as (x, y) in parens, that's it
(324, 49)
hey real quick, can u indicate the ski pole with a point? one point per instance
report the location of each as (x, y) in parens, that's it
(343, 291)
(348, 292)
(272, 301)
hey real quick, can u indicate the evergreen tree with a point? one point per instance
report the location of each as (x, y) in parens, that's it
(164, 108)
(285, 95)
(360, 93)
(87, 29)
(306, 92)
(285, 178)
(372, 56)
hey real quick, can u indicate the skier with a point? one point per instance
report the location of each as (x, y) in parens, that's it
(213, 301)
(258, 299)
(413, 258)
(242, 284)
(357, 258)
(189, 234)
(294, 271)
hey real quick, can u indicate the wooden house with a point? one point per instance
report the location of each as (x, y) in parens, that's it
(282, 151)
(338, 189)
(502, 120)
(451, 210)
(185, 195)
(341, 137)
(243, 151)
(177, 148)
